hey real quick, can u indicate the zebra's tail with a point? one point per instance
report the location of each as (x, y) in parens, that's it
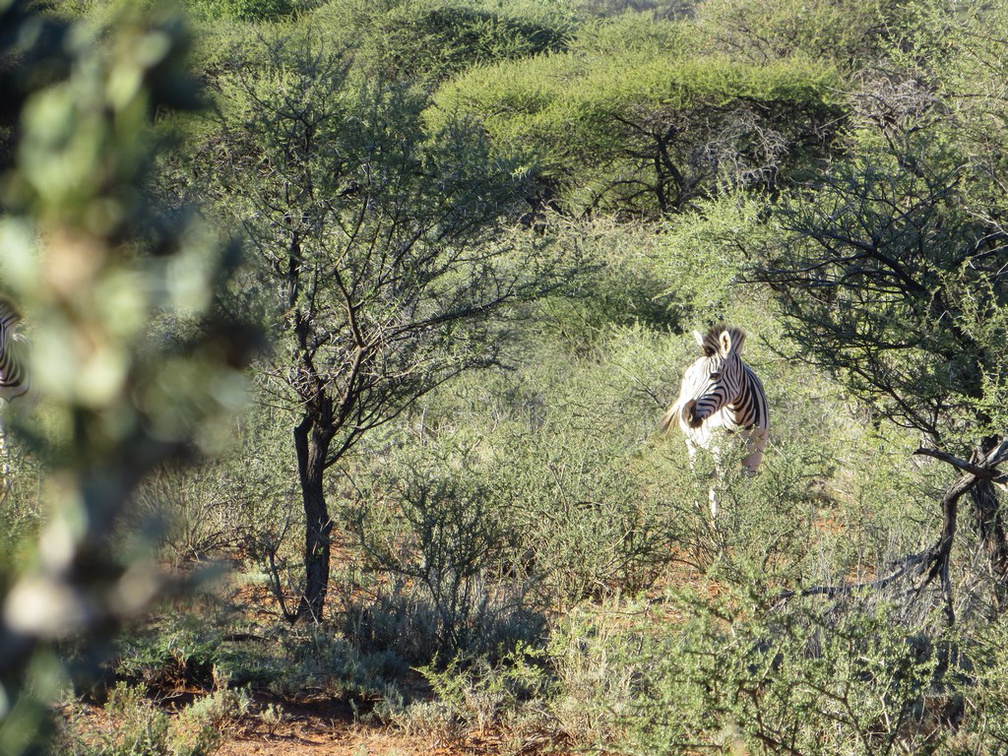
(670, 416)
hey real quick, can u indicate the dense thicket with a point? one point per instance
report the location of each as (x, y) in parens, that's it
(477, 235)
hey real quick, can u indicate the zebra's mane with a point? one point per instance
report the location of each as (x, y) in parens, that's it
(711, 340)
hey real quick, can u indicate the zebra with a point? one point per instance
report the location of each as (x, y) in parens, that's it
(13, 376)
(13, 380)
(719, 394)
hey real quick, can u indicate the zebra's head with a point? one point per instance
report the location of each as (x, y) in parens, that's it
(714, 380)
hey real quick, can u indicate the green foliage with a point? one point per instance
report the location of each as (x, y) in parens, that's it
(655, 127)
(885, 265)
(587, 531)
(701, 257)
(23, 511)
(480, 696)
(950, 78)
(317, 659)
(848, 35)
(711, 673)
(241, 500)
(143, 728)
(241, 10)
(204, 724)
(440, 534)
(522, 535)
(437, 529)
(137, 727)
(889, 278)
(529, 97)
(197, 645)
(796, 682)
(377, 266)
(432, 40)
(422, 196)
(93, 265)
(588, 650)
(179, 651)
(619, 283)
(628, 32)
(558, 441)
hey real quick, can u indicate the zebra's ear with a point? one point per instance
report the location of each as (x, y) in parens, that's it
(699, 338)
(726, 341)
(732, 339)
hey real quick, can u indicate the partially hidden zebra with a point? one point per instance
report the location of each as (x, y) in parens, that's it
(721, 397)
(13, 376)
(13, 380)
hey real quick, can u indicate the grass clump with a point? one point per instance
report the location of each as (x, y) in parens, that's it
(132, 724)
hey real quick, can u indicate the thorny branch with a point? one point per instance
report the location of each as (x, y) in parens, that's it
(932, 562)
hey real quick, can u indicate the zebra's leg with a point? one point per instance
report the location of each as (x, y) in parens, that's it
(712, 495)
(692, 448)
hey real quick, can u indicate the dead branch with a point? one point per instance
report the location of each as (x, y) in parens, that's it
(984, 470)
(935, 560)
(833, 591)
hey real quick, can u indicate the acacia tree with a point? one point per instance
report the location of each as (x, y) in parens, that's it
(654, 126)
(888, 281)
(891, 268)
(375, 251)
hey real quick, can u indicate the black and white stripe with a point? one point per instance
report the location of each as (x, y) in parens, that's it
(13, 375)
(720, 392)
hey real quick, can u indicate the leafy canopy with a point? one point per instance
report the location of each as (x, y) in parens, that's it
(432, 40)
(606, 114)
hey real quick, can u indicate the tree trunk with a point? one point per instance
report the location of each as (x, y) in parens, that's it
(990, 526)
(312, 444)
(942, 552)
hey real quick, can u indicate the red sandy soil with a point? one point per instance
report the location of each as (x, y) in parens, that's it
(342, 739)
(330, 729)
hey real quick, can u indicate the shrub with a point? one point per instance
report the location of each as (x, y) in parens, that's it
(243, 501)
(704, 671)
(438, 533)
(317, 660)
(136, 726)
(620, 281)
(847, 34)
(242, 10)
(643, 132)
(435, 40)
(595, 687)
(798, 680)
(480, 696)
(202, 725)
(140, 727)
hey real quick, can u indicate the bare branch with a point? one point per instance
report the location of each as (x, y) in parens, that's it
(984, 470)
